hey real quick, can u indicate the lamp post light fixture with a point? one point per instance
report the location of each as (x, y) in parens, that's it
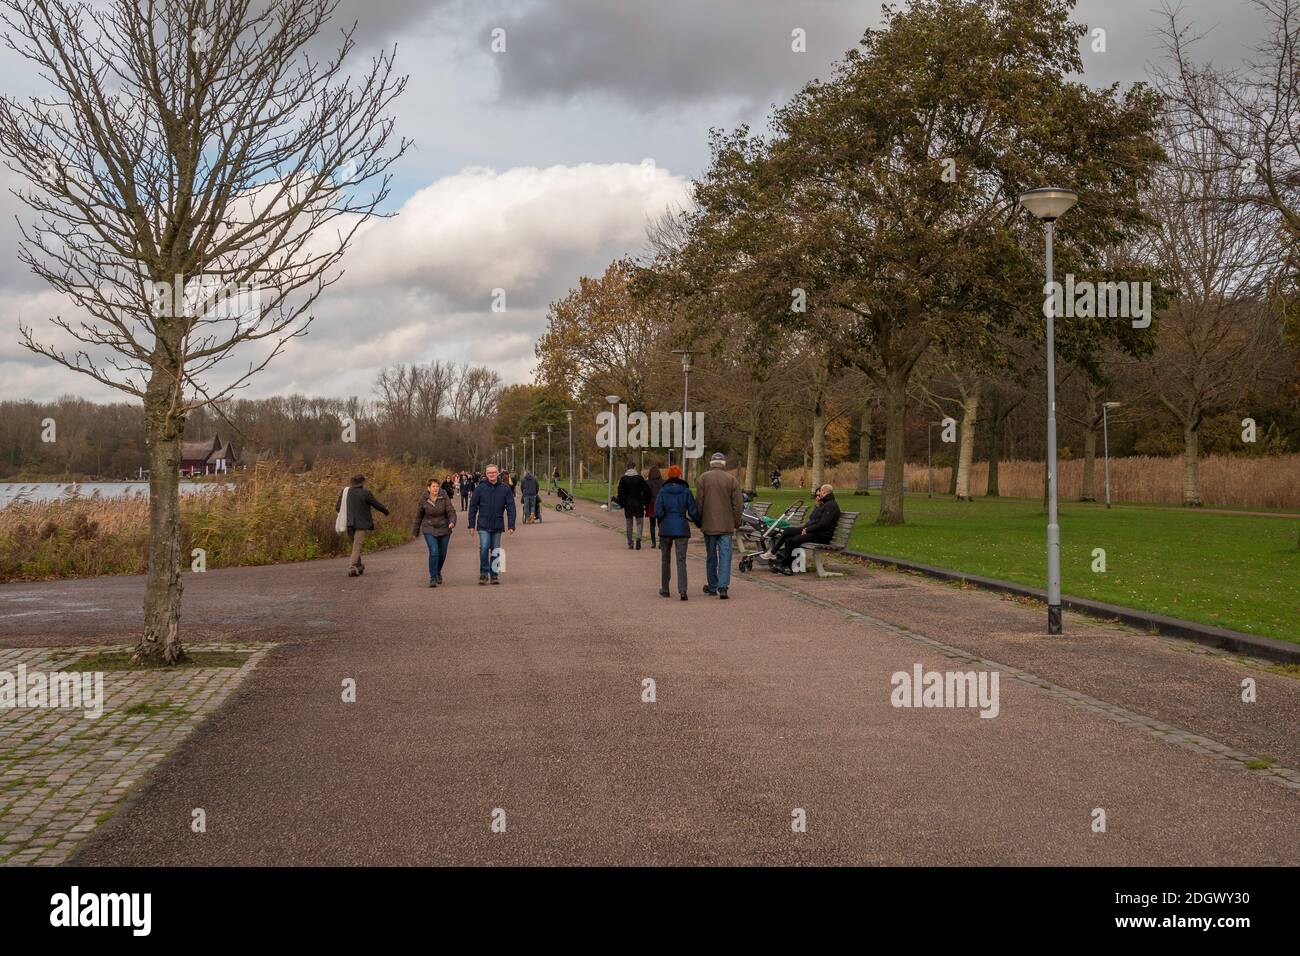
(1105, 442)
(612, 400)
(568, 414)
(686, 392)
(1048, 205)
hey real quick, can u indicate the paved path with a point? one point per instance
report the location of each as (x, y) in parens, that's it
(527, 698)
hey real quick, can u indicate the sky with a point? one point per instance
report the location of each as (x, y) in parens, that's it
(543, 162)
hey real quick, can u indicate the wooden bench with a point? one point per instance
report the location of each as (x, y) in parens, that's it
(759, 507)
(839, 541)
(875, 484)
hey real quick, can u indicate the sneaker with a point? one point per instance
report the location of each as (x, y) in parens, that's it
(433, 582)
(496, 580)
(361, 569)
(482, 579)
(766, 556)
(629, 545)
(709, 590)
(638, 544)
(353, 572)
(722, 593)
(787, 571)
(664, 594)
(684, 596)
(438, 579)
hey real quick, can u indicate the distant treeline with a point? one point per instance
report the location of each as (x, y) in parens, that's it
(434, 412)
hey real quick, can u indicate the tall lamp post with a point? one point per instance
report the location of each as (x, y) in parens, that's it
(686, 393)
(929, 481)
(609, 471)
(533, 436)
(1047, 205)
(549, 426)
(568, 414)
(1105, 442)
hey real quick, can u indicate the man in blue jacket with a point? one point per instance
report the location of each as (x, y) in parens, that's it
(491, 511)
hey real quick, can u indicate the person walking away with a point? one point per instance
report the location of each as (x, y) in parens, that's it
(555, 479)
(466, 486)
(654, 481)
(633, 495)
(676, 510)
(819, 530)
(491, 511)
(531, 491)
(354, 511)
(435, 518)
(718, 495)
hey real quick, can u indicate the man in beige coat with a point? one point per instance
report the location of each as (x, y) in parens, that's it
(718, 495)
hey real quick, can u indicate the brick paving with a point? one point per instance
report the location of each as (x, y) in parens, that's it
(63, 773)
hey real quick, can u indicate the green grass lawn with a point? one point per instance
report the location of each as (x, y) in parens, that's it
(1232, 571)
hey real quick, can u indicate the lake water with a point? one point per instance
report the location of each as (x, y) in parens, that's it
(50, 490)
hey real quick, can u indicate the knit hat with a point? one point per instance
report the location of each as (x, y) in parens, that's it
(719, 460)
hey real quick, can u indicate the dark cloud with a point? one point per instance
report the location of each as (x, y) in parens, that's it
(657, 54)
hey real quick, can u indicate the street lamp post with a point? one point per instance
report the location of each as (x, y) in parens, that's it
(686, 392)
(549, 426)
(568, 413)
(609, 472)
(533, 469)
(1048, 205)
(1105, 442)
(929, 481)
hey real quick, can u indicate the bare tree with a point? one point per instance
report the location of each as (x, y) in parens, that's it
(195, 177)
(1248, 113)
(1220, 334)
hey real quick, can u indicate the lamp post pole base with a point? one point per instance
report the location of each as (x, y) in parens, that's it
(1053, 619)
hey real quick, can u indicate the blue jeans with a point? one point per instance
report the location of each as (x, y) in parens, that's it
(528, 505)
(488, 541)
(437, 552)
(717, 565)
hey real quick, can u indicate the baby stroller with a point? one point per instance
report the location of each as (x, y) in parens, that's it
(758, 534)
(566, 500)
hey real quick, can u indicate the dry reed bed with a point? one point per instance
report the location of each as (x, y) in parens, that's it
(1263, 484)
(270, 515)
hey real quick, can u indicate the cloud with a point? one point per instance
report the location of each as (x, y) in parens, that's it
(419, 286)
(653, 55)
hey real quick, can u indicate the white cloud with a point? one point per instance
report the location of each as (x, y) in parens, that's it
(418, 286)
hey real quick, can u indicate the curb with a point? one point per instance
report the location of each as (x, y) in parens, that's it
(1269, 648)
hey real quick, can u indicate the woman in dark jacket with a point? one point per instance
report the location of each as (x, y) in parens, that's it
(435, 518)
(676, 510)
(655, 481)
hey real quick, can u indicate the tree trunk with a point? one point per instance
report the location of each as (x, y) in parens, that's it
(1089, 465)
(995, 447)
(751, 462)
(1191, 466)
(864, 453)
(969, 414)
(891, 495)
(818, 445)
(160, 642)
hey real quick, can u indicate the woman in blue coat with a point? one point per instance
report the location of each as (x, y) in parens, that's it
(676, 511)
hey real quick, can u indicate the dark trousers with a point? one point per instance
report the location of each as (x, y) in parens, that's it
(464, 500)
(654, 527)
(666, 546)
(786, 542)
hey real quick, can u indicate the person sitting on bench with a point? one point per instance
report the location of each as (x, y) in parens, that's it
(819, 529)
